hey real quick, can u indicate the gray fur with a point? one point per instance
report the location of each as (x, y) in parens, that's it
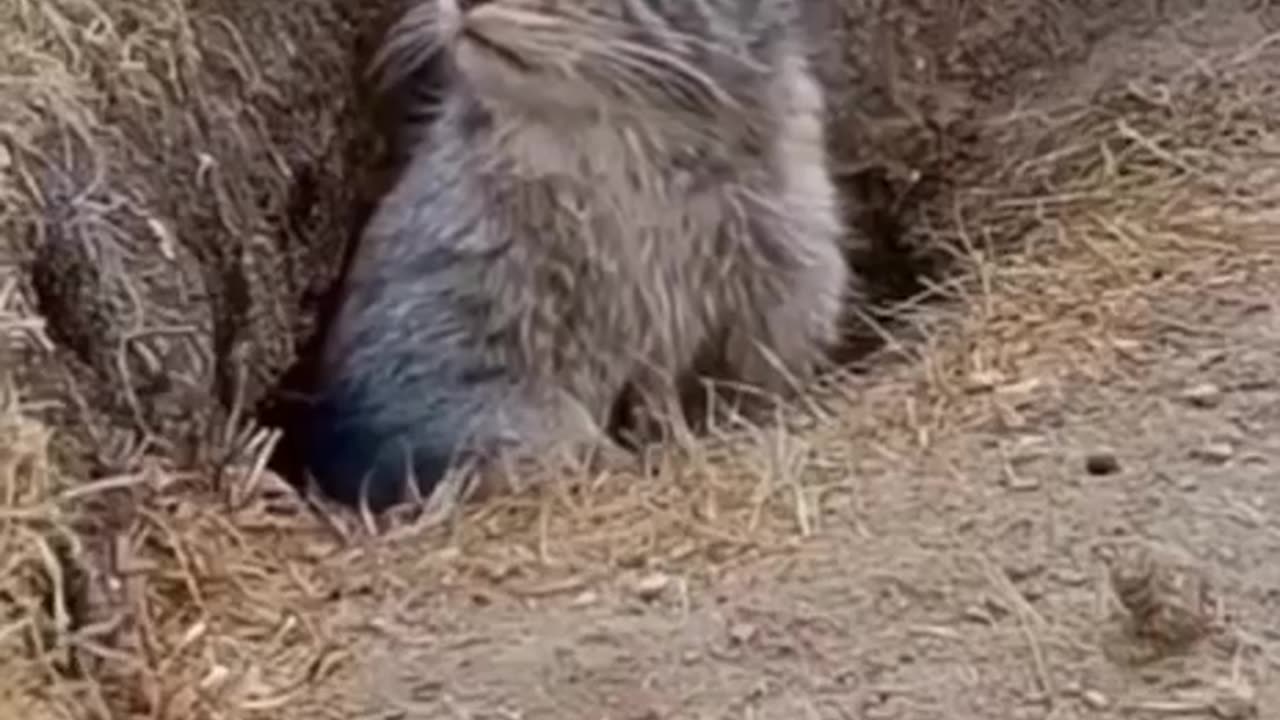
(623, 186)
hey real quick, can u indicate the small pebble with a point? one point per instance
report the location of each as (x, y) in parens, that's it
(1235, 699)
(742, 633)
(1102, 463)
(215, 678)
(1024, 568)
(587, 597)
(1216, 452)
(976, 614)
(995, 608)
(1234, 706)
(1020, 483)
(651, 587)
(1205, 395)
(1073, 578)
(1033, 591)
(1095, 700)
(1186, 483)
(984, 380)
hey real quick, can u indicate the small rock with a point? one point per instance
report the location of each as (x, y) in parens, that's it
(651, 587)
(995, 608)
(1033, 591)
(1024, 568)
(1185, 483)
(1020, 483)
(587, 597)
(1215, 452)
(1204, 395)
(1235, 703)
(215, 678)
(976, 614)
(984, 380)
(632, 561)
(1095, 700)
(742, 633)
(1102, 463)
(1071, 577)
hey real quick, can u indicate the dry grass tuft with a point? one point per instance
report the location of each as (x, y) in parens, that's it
(38, 599)
(232, 599)
(1100, 202)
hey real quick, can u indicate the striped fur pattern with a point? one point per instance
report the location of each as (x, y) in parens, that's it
(609, 190)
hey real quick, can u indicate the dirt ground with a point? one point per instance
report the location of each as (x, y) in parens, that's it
(967, 581)
(936, 536)
(964, 583)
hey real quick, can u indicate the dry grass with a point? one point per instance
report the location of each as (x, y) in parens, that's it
(1151, 183)
(235, 600)
(36, 600)
(179, 176)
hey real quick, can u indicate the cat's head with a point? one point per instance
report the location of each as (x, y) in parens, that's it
(565, 58)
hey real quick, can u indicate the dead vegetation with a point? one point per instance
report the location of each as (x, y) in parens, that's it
(192, 165)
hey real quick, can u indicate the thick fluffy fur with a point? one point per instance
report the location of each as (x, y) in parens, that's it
(610, 189)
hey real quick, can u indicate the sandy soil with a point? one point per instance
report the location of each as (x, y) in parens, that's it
(965, 582)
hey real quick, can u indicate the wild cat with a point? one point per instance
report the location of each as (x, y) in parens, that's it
(609, 192)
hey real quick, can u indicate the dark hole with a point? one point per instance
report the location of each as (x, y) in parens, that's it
(371, 156)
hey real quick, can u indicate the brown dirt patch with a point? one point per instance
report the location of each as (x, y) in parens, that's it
(925, 541)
